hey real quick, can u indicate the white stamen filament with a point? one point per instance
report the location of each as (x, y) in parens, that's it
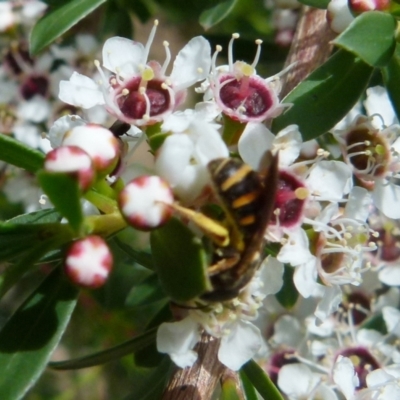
(230, 51)
(218, 49)
(146, 115)
(258, 53)
(149, 42)
(167, 57)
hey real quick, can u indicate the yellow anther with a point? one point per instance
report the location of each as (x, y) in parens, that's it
(235, 35)
(301, 193)
(148, 74)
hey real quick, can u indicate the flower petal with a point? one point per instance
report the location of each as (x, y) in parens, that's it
(192, 63)
(240, 345)
(80, 91)
(255, 140)
(123, 56)
(178, 339)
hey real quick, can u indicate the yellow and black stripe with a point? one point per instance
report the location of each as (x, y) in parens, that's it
(248, 202)
(240, 190)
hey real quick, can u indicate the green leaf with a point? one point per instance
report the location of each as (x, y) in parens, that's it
(391, 78)
(14, 152)
(17, 240)
(249, 391)
(261, 381)
(146, 292)
(212, 16)
(111, 354)
(63, 191)
(30, 336)
(37, 217)
(117, 22)
(141, 257)
(58, 21)
(288, 294)
(326, 96)
(229, 390)
(377, 323)
(152, 386)
(377, 51)
(323, 4)
(180, 261)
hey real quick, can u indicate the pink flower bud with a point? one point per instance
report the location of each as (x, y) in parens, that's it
(71, 160)
(359, 6)
(101, 145)
(144, 202)
(89, 262)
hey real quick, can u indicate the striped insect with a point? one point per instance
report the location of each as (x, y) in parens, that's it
(248, 202)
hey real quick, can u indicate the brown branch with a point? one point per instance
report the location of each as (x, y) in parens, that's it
(199, 381)
(310, 47)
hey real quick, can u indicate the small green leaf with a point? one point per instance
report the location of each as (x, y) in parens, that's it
(391, 78)
(288, 294)
(30, 336)
(58, 21)
(180, 261)
(323, 4)
(212, 16)
(249, 391)
(261, 381)
(63, 191)
(14, 152)
(376, 52)
(326, 96)
(111, 354)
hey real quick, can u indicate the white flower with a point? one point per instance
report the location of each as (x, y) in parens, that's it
(139, 92)
(256, 139)
(178, 339)
(183, 158)
(345, 377)
(298, 382)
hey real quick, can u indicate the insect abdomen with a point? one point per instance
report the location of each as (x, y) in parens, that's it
(240, 189)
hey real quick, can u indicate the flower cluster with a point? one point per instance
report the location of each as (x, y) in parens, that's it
(333, 226)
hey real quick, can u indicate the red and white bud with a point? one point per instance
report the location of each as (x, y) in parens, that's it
(101, 145)
(359, 6)
(72, 160)
(89, 262)
(145, 202)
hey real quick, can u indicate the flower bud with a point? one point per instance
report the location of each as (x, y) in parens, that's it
(71, 160)
(145, 202)
(359, 6)
(89, 262)
(101, 145)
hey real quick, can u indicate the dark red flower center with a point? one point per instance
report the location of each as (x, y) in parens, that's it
(248, 93)
(34, 85)
(290, 206)
(133, 105)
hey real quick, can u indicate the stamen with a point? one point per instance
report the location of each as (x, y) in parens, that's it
(149, 42)
(218, 49)
(146, 115)
(230, 51)
(257, 56)
(167, 57)
(100, 70)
